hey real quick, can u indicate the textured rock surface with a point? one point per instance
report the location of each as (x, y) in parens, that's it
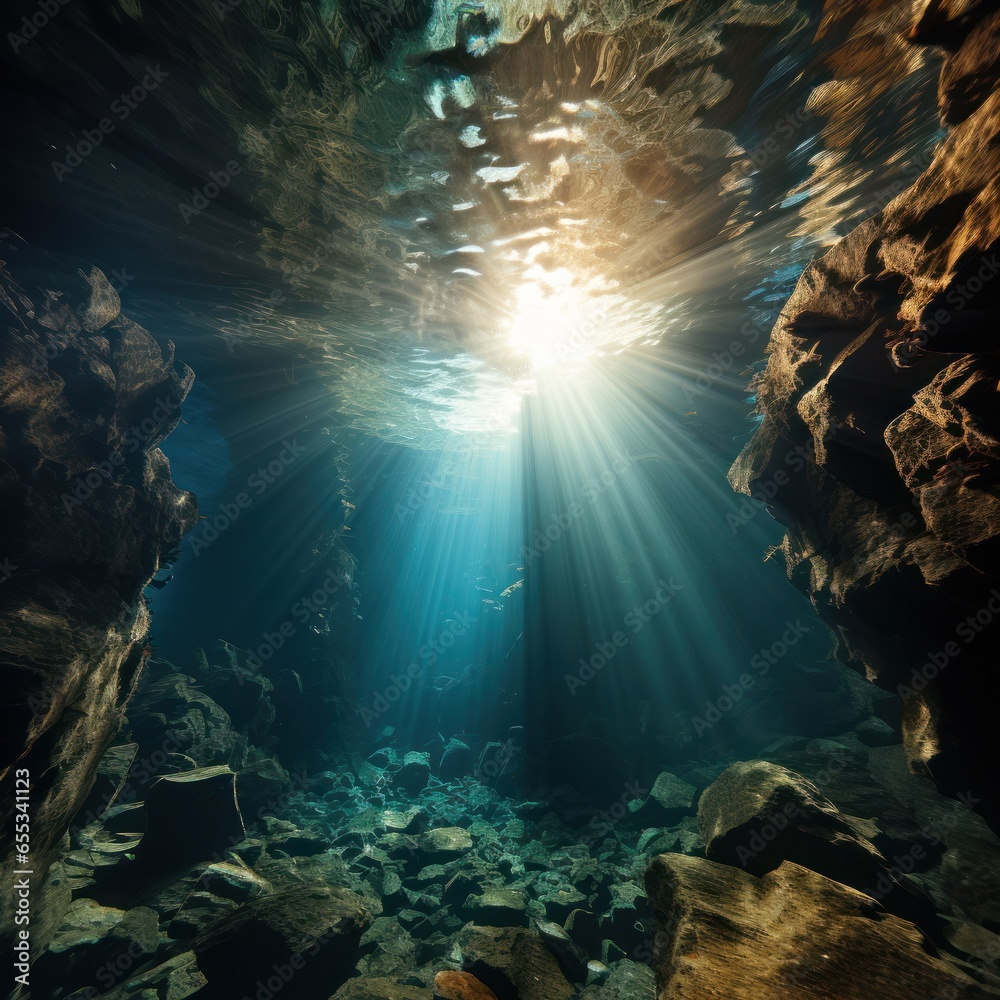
(94, 944)
(89, 514)
(314, 930)
(880, 439)
(725, 933)
(756, 815)
(450, 985)
(668, 800)
(513, 962)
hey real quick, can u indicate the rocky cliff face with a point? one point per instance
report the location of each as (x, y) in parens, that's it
(880, 437)
(89, 514)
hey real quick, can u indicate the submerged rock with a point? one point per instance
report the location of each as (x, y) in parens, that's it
(86, 922)
(381, 989)
(874, 732)
(175, 979)
(879, 445)
(405, 820)
(395, 952)
(668, 800)
(571, 957)
(278, 930)
(726, 933)
(498, 907)
(457, 760)
(513, 962)
(757, 815)
(630, 979)
(445, 842)
(96, 945)
(89, 516)
(450, 985)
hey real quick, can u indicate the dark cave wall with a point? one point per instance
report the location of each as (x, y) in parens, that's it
(880, 438)
(88, 515)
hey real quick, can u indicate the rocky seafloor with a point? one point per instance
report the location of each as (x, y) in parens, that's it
(202, 868)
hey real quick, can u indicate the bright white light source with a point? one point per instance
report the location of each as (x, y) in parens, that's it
(559, 320)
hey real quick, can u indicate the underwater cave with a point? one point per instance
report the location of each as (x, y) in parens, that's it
(500, 499)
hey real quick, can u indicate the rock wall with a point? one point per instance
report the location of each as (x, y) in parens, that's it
(89, 514)
(880, 435)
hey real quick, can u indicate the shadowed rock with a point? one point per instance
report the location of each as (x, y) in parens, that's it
(89, 514)
(726, 933)
(879, 447)
(309, 933)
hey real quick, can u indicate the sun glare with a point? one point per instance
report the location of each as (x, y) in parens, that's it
(559, 320)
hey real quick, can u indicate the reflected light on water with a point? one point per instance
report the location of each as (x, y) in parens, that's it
(560, 320)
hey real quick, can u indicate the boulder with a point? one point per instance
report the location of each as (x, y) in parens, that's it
(405, 820)
(630, 979)
(757, 815)
(513, 962)
(90, 514)
(394, 951)
(571, 957)
(191, 816)
(314, 930)
(668, 800)
(888, 494)
(175, 979)
(94, 946)
(726, 933)
(445, 842)
(498, 907)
